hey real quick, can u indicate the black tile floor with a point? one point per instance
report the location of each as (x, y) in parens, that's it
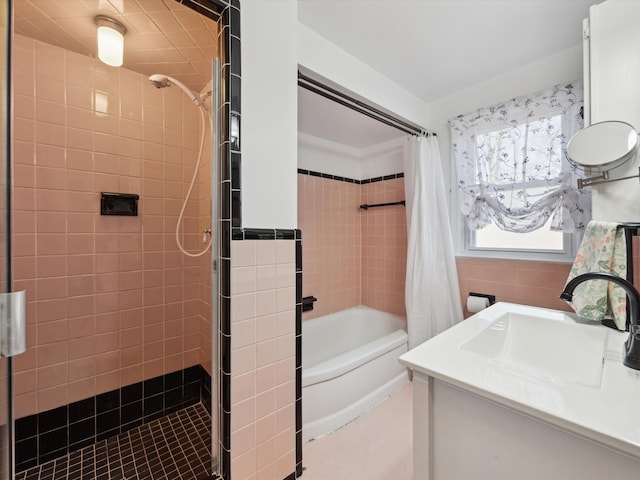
(175, 447)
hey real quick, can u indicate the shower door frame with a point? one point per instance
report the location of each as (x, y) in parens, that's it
(227, 14)
(7, 464)
(215, 261)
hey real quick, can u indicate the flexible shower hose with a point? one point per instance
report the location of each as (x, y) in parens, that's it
(186, 198)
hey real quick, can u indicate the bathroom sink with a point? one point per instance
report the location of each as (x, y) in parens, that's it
(547, 364)
(553, 346)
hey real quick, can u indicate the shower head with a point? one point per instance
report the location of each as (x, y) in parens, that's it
(160, 81)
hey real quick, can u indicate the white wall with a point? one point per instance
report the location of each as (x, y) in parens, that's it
(562, 67)
(382, 159)
(326, 59)
(320, 155)
(270, 58)
(323, 58)
(615, 95)
(269, 122)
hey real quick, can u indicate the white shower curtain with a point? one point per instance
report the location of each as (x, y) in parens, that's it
(432, 294)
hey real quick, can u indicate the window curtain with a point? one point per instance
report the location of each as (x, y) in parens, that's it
(432, 294)
(511, 162)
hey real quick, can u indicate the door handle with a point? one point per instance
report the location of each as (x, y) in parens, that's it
(13, 323)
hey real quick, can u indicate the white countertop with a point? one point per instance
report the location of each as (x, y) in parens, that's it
(608, 413)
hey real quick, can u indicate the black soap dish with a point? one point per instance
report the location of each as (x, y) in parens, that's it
(125, 204)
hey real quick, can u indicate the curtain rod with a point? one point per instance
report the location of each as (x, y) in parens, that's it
(361, 107)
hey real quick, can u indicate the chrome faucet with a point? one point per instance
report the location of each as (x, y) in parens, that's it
(632, 345)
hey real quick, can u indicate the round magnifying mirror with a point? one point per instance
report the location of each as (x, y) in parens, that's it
(603, 146)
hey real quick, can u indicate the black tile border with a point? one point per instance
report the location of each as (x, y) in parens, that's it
(264, 234)
(229, 177)
(298, 339)
(338, 178)
(47, 435)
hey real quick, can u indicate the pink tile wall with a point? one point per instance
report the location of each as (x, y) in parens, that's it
(351, 256)
(111, 301)
(329, 218)
(530, 283)
(262, 359)
(384, 247)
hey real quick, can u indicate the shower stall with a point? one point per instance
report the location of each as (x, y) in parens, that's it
(120, 375)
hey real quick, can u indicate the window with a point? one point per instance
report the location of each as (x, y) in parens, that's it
(517, 191)
(543, 239)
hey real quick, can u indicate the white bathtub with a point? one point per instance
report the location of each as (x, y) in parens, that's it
(349, 365)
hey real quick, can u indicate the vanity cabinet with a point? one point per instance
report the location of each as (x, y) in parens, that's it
(459, 434)
(524, 393)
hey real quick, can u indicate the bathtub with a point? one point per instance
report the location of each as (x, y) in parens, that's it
(349, 365)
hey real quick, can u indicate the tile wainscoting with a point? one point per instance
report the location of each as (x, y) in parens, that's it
(516, 281)
(263, 338)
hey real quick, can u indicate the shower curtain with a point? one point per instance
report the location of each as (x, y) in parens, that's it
(432, 294)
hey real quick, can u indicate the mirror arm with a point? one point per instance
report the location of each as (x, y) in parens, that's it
(604, 178)
(587, 182)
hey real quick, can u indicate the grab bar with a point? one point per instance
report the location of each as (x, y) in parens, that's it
(367, 207)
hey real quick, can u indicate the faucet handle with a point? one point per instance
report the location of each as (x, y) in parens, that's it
(566, 296)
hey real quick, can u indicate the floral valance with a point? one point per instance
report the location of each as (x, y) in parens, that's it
(511, 162)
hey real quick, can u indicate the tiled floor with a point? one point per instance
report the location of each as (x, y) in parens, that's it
(175, 447)
(376, 446)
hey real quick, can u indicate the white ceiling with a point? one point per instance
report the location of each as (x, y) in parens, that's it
(432, 48)
(322, 118)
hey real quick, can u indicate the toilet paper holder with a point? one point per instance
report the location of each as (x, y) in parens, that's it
(492, 298)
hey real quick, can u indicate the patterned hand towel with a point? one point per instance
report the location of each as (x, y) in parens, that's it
(603, 250)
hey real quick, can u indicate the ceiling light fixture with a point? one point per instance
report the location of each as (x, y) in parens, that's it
(110, 40)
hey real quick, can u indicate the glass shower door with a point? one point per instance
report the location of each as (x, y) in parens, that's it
(6, 418)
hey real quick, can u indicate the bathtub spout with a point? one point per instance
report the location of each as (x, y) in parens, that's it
(632, 345)
(307, 303)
